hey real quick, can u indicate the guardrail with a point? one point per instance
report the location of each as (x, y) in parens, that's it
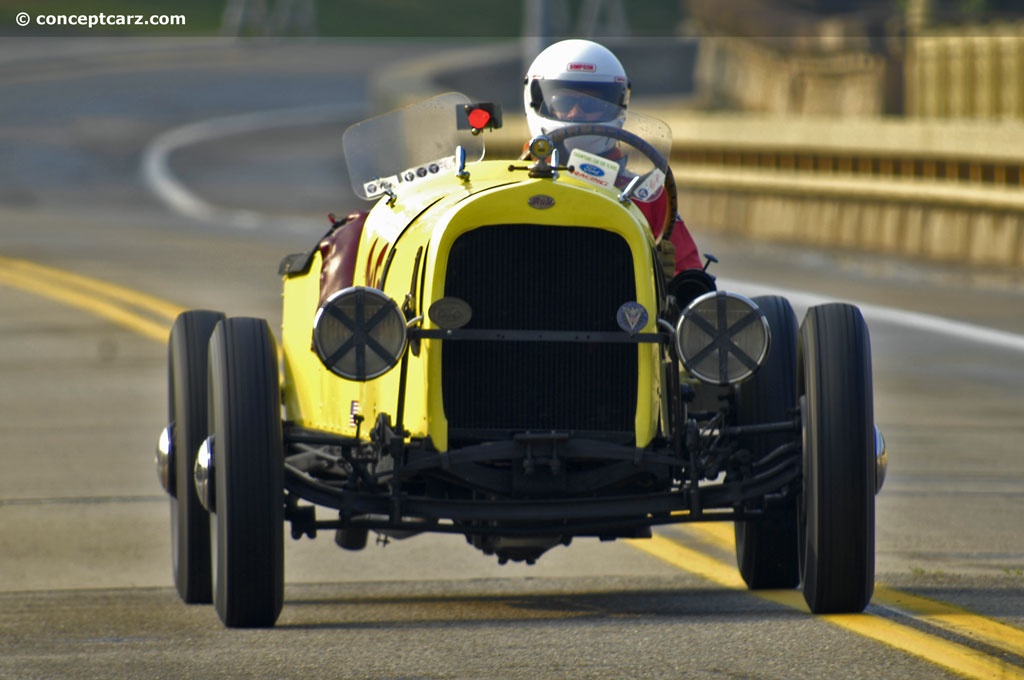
(944, 191)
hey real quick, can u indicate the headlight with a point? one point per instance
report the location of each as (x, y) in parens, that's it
(359, 333)
(722, 338)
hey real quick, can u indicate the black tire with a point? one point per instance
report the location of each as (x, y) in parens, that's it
(767, 551)
(245, 411)
(187, 412)
(837, 512)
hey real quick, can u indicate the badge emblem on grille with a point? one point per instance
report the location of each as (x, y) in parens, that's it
(540, 201)
(450, 312)
(631, 317)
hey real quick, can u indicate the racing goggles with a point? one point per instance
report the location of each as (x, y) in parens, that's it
(582, 102)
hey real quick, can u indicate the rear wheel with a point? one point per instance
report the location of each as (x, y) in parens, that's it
(767, 553)
(186, 384)
(837, 513)
(248, 474)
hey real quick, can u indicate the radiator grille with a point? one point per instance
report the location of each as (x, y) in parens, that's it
(530, 277)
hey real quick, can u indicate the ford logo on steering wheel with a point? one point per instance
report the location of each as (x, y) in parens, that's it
(591, 169)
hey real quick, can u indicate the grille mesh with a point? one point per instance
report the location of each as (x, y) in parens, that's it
(530, 277)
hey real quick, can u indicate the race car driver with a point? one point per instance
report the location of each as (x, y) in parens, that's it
(580, 81)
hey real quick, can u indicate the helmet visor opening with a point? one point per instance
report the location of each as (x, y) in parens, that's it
(578, 101)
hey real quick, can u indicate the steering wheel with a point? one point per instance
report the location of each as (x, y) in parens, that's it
(653, 155)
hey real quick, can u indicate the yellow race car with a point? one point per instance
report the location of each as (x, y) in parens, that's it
(494, 350)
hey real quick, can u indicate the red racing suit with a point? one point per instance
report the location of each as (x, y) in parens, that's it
(687, 255)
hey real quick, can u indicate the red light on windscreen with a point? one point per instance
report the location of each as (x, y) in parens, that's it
(478, 118)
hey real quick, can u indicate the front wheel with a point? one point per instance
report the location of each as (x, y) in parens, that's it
(186, 384)
(837, 513)
(248, 474)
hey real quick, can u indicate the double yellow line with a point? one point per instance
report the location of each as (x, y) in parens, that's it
(146, 315)
(151, 317)
(954, 656)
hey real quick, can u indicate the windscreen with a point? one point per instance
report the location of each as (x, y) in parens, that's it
(655, 132)
(407, 145)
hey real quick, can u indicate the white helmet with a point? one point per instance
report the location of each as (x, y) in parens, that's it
(576, 81)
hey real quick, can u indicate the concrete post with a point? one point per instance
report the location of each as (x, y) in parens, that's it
(1010, 47)
(984, 82)
(958, 59)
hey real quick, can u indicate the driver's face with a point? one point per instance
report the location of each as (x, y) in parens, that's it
(572, 105)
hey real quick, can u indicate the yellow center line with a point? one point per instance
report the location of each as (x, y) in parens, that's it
(939, 614)
(953, 619)
(951, 655)
(102, 299)
(151, 303)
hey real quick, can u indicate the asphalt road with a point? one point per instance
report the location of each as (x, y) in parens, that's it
(85, 583)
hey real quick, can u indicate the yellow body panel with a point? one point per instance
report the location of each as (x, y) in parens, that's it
(420, 229)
